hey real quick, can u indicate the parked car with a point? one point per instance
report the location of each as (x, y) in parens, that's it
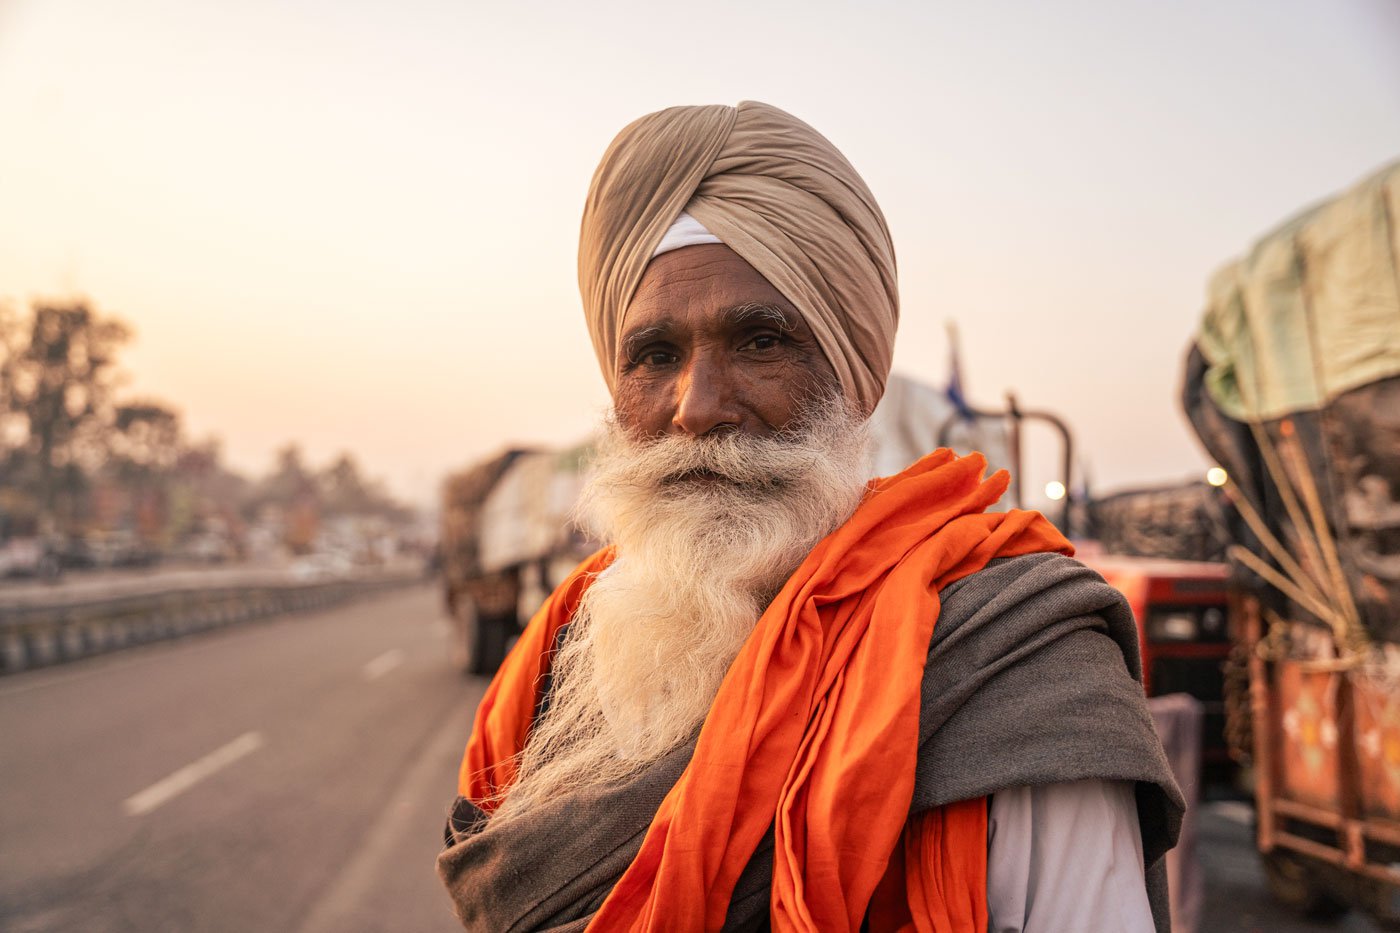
(28, 557)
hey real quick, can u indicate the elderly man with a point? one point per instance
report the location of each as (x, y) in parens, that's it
(787, 696)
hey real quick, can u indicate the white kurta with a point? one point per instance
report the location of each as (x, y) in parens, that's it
(1066, 857)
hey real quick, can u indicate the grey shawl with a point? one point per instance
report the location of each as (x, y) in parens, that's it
(1033, 677)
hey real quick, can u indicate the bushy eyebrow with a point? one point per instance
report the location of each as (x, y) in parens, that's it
(748, 314)
(756, 312)
(633, 343)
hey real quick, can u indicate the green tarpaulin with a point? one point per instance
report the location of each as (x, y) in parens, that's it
(1312, 311)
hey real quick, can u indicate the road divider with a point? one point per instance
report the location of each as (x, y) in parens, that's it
(191, 774)
(58, 631)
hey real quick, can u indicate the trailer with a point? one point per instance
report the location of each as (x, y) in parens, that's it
(1293, 386)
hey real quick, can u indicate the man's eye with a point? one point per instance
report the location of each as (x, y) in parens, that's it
(763, 342)
(656, 358)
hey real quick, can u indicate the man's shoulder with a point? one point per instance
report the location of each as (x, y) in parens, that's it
(1012, 567)
(1020, 618)
(1063, 583)
(1033, 677)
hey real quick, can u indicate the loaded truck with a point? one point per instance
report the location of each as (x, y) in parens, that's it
(1292, 385)
(507, 539)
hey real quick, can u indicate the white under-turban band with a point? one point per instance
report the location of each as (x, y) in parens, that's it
(686, 231)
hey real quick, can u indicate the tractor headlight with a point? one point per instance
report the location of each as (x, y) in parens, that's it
(1173, 625)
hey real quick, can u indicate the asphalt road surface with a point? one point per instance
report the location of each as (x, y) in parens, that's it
(1236, 900)
(293, 775)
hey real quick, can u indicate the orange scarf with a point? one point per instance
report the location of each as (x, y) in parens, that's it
(814, 730)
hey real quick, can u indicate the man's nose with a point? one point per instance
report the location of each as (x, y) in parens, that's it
(705, 399)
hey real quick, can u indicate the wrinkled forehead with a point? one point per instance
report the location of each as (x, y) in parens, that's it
(709, 280)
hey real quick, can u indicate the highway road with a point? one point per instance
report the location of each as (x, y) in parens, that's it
(293, 775)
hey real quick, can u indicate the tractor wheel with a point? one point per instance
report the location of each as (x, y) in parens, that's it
(479, 640)
(464, 648)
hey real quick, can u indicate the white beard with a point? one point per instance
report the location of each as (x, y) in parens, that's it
(699, 560)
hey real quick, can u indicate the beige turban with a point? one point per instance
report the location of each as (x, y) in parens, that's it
(777, 193)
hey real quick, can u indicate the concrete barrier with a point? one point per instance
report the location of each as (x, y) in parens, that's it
(53, 633)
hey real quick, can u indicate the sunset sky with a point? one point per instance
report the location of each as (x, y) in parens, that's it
(353, 224)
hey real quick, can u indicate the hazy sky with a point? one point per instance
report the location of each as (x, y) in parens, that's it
(353, 224)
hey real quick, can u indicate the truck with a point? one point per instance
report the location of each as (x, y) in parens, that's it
(499, 545)
(1292, 385)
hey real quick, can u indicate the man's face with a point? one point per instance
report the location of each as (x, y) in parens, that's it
(710, 345)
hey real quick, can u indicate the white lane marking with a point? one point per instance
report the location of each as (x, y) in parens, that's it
(1233, 810)
(383, 664)
(191, 774)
